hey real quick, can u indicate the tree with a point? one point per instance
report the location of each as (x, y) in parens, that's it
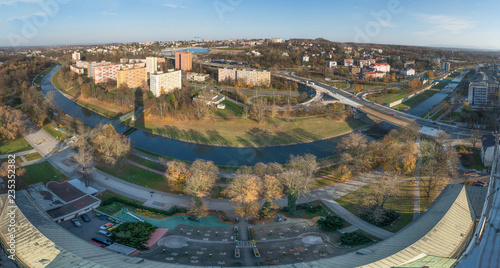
(12, 123)
(331, 223)
(7, 165)
(258, 109)
(176, 174)
(415, 82)
(110, 147)
(354, 144)
(133, 234)
(384, 189)
(435, 173)
(298, 178)
(475, 138)
(430, 75)
(244, 192)
(200, 108)
(85, 161)
(200, 183)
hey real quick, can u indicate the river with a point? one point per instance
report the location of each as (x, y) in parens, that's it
(427, 105)
(220, 155)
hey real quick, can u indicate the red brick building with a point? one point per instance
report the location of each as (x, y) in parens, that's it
(183, 61)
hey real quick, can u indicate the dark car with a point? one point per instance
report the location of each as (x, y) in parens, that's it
(76, 223)
(85, 217)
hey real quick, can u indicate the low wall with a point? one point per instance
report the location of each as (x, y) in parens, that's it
(394, 103)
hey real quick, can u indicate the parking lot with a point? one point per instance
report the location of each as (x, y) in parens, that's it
(88, 229)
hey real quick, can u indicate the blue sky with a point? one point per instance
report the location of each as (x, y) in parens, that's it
(411, 22)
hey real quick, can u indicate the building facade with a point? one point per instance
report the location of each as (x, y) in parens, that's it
(382, 67)
(132, 77)
(162, 83)
(408, 71)
(104, 73)
(183, 61)
(152, 64)
(76, 56)
(254, 77)
(445, 66)
(478, 94)
(331, 64)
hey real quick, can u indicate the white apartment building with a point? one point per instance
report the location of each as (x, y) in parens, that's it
(408, 71)
(331, 64)
(152, 64)
(478, 94)
(348, 62)
(382, 67)
(76, 56)
(162, 83)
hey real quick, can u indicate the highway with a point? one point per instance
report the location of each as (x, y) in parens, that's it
(376, 109)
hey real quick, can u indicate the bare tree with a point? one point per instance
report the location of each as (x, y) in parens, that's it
(298, 178)
(435, 173)
(384, 189)
(475, 138)
(259, 108)
(85, 161)
(201, 108)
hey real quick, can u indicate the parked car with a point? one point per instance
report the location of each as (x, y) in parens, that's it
(481, 183)
(76, 223)
(105, 233)
(106, 226)
(102, 241)
(85, 217)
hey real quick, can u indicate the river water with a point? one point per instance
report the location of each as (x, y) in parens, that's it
(425, 106)
(220, 155)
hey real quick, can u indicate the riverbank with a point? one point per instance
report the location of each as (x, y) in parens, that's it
(111, 111)
(249, 133)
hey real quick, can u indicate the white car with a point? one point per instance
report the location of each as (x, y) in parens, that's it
(105, 233)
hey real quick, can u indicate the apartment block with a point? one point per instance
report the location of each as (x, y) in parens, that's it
(104, 73)
(255, 77)
(184, 61)
(77, 70)
(162, 83)
(132, 77)
(382, 67)
(76, 56)
(348, 62)
(152, 64)
(478, 94)
(331, 64)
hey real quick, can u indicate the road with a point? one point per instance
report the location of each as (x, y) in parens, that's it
(368, 107)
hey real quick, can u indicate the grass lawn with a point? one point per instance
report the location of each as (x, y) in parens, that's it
(138, 176)
(147, 163)
(14, 146)
(403, 204)
(426, 201)
(115, 207)
(418, 99)
(55, 133)
(231, 109)
(437, 115)
(247, 132)
(33, 156)
(41, 172)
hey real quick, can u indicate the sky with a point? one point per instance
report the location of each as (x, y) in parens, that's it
(451, 23)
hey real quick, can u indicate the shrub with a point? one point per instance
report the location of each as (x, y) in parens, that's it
(354, 239)
(133, 234)
(116, 199)
(379, 216)
(331, 223)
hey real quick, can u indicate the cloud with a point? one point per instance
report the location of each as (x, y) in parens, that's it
(174, 6)
(442, 24)
(24, 17)
(106, 13)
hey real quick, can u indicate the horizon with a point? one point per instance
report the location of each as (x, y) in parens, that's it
(36, 23)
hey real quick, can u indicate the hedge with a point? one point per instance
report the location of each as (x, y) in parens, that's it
(116, 199)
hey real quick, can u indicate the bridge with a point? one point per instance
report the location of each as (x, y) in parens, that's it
(435, 80)
(135, 113)
(375, 110)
